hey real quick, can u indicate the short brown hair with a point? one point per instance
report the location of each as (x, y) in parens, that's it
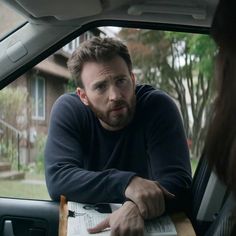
(96, 50)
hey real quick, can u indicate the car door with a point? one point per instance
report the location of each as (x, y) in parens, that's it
(20, 217)
(30, 53)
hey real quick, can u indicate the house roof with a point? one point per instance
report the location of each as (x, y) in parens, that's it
(54, 69)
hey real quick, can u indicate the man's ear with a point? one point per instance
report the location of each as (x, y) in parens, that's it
(133, 78)
(82, 94)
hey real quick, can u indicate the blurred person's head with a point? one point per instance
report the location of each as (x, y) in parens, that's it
(221, 138)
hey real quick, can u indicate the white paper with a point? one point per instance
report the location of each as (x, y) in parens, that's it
(77, 226)
(162, 226)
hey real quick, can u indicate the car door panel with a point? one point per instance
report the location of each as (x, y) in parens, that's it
(20, 217)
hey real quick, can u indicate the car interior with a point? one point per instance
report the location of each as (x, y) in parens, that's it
(50, 25)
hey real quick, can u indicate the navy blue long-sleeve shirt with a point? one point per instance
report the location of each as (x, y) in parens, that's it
(88, 163)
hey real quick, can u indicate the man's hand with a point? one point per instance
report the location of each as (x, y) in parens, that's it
(148, 196)
(126, 221)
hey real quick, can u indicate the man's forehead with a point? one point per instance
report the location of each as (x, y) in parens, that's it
(94, 72)
(109, 78)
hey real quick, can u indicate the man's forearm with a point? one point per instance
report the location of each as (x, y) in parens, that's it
(122, 222)
(82, 185)
(148, 195)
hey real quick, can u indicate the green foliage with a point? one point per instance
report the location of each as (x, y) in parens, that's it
(194, 164)
(40, 144)
(13, 109)
(71, 86)
(203, 48)
(182, 65)
(9, 152)
(13, 104)
(37, 167)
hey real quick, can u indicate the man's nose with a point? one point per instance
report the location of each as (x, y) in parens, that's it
(114, 93)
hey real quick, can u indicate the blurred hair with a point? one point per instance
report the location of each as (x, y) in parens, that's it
(96, 50)
(221, 138)
(223, 26)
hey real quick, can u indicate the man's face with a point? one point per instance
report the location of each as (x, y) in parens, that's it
(109, 90)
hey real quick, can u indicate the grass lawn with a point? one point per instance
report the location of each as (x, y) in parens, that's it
(194, 163)
(34, 187)
(17, 189)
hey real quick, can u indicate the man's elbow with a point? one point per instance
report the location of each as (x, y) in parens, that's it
(53, 192)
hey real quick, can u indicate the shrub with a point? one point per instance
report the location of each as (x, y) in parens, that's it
(13, 106)
(39, 162)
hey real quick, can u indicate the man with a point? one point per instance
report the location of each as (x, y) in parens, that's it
(115, 141)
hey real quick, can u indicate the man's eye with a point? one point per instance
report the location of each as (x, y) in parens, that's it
(121, 81)
(101, 87)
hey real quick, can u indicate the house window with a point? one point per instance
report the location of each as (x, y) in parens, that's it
(38, 97)
(70, 47)
(88, 35)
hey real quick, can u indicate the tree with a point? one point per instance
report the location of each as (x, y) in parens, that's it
(182, 65)
(13, 106)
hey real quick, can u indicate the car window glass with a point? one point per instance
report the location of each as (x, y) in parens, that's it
(179, 63)
(9, 20)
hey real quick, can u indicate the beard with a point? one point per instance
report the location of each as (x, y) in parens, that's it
(119, 120)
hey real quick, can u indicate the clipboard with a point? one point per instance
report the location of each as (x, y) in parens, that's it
(63, 216)
(182, 223)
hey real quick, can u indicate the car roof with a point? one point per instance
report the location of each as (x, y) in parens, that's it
(181, 12)
(53, 23)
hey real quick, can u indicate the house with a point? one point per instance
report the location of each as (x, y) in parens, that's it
(41, 85)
